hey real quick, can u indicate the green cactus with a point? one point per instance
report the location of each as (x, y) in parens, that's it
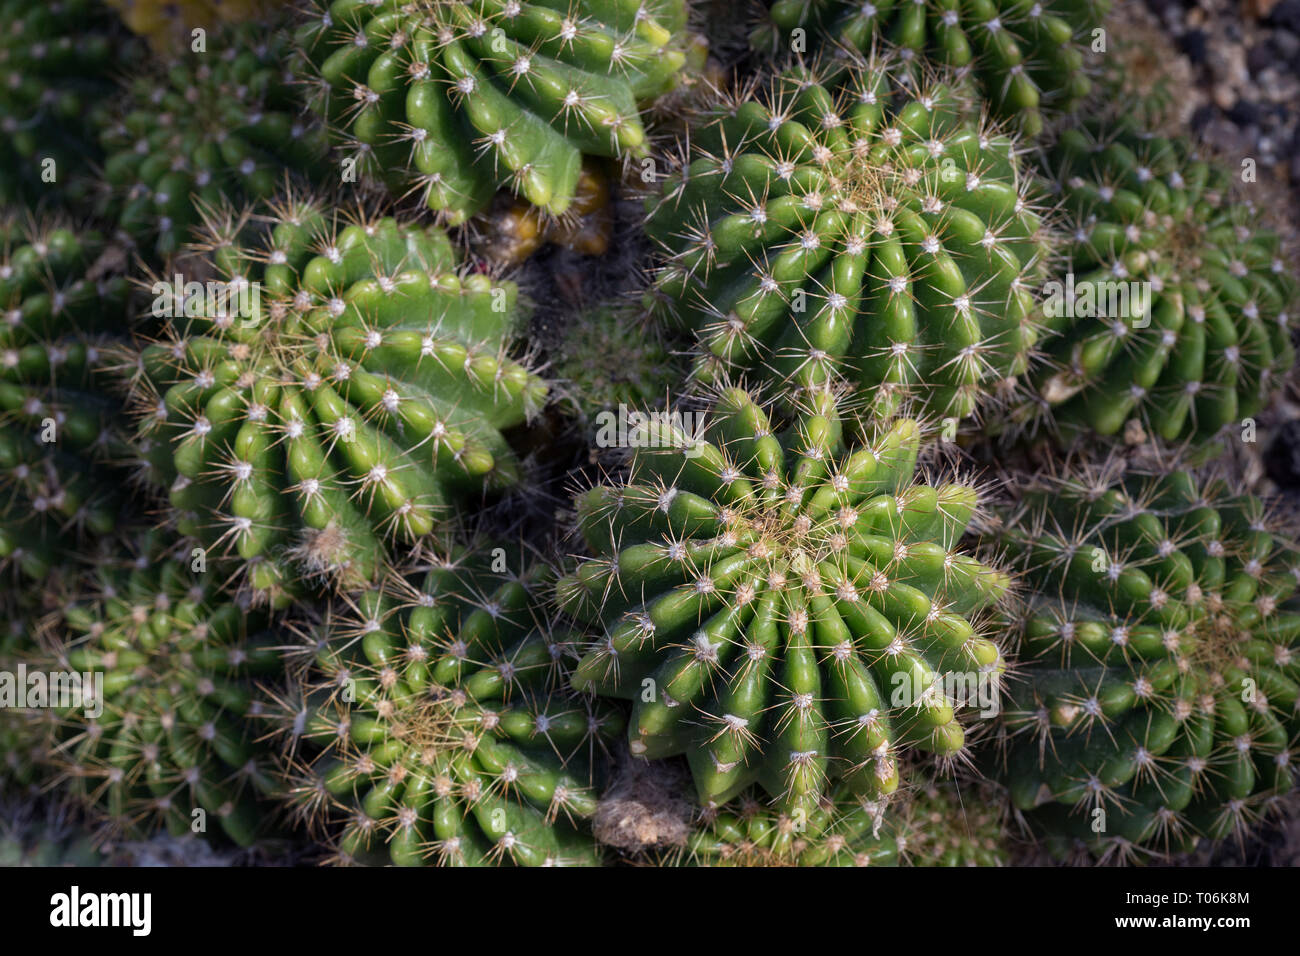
(784, 607)
(606, 359)
(1159, 667)
(55, 60)
(46, 837)
(864, 230)
(1024, 55)
(352, 390)
(168, 734)
(61, 298)
(435, 725)
(1173, 318)
(849, 831)
(947, 826)
(452, 100)
(226, 121)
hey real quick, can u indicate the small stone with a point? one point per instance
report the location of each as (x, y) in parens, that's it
(1286, 15)
(1244, 113)
(1194, 43)
(1223, 96)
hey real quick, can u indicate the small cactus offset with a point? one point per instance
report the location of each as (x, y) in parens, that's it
(222, 122)
(1025, 55)
(61, 297)
(1159, 678)
(451, 100)
(164, 738)
(863, 229)
(947, 825)
(55, 61)
(349, 392)
(44, 837)
(436, 722)
(607, 358)
(783, 606)
(1174, 320)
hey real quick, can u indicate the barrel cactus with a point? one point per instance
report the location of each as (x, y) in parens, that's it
(451, 100)
(787, 607)
(225, 121)
(341, 389)
(435, 726)
(1173, 319)
(1025, 55)
(863, 229)
(1158, 699)
(62, 297)
(162, 736)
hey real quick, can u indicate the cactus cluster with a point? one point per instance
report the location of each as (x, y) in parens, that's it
(435, 723)
(785, 606)
(62, 296)
(865, 229)
(347, 391)
(219, 123)
(1158, 700)
(452, 100)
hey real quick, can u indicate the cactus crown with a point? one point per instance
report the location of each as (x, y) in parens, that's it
(861, 227)
(785, 606)
(344, 387)
(1159, 652)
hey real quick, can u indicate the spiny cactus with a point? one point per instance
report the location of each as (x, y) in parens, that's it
(849, 831)
(1174, 317)
(43, 837)
(437, 724)
(225, 121)
(352, 391)
(944, 825)
(784, 607)
(608, 359)
(61, 297)
(54, 61)
(453, 100)
(168, 25)
(1023, 54)
(1158, 699)
(864, 229)
(167, 733)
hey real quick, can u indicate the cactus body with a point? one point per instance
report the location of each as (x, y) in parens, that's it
(224, 122)
(1174, 318)
(1159, 694)
(350, 403)
(783, 607)
(608, 360)
(445, 735)
(857, 230)
(454, 100)
(1024, 56)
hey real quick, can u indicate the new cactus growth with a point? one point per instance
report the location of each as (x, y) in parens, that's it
(784, 606)
(60, 297)
(946, 826)
(1174, 316)
(437, 723)
(1025, 55)
(453, 100)
(607, 358)
(222, 122)
(54, 62)
(161, 736)
(342, 392)
(1158, 700)
(863, 229)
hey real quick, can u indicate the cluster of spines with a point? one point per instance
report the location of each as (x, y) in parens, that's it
(452, 101)
(608, 359)
(784, 605)
(865, 228)
(434, 725)
(1159, 685)
(358, 393)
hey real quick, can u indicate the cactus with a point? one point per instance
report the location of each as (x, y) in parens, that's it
(62, 299)
(1024, 56)
(1157, 700)
(945, 826)
(784, 607)
(224, 121)
(54, 62)
(352, 391)
(608, 360)
(864, 230)
(166, 732)
(169, 25)
(1173, 318)
(436, 723)
(512, 230)
(452, 100)
(46, 837)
